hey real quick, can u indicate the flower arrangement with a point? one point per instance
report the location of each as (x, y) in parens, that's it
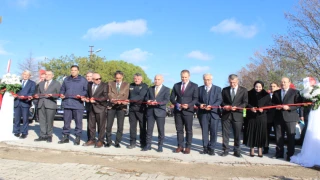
(312, 93)
(11, 83)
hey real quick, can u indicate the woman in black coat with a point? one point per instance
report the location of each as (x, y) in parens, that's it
(257, 118)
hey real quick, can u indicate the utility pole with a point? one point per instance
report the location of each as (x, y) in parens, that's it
(91, 51)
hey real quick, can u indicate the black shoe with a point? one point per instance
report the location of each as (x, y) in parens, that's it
(49, 139)
(288, 159)
(41, 139)
(17, 134)
(131, 146)
(23, 136)
(107, 145)
(77, 140)
(225, 153)
(205, 151)
(146, 148)
(159, 149)
(211, 152)
(117, 146)
(237, 154)
(279, 156)
(265, 150)
(64, 139)
(142, 145)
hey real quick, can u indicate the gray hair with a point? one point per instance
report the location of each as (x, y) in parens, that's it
(27, 71)
(232, 77)
(207, 74)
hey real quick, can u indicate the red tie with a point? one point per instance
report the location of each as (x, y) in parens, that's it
(182, 90)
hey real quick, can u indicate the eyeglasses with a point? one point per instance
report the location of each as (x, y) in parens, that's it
(97, 79)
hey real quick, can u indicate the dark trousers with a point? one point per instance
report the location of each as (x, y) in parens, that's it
(226, 128)
(68, 115)
(183, 121)
(281, 128)
(46, 117)
(97, 119)
(209, 126)
(120, 120)
(269, 127)
(88, 130)
(160, 126)
(18, 112)
(134, 118)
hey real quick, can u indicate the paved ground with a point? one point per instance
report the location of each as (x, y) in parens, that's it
(54, 168)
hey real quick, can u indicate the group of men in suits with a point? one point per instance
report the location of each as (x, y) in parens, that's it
(148, 106)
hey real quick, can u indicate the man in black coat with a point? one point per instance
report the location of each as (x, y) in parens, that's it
(286, 117)
(184, 96)
(233, 96)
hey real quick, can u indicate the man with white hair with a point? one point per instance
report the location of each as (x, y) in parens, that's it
(209, 98)
(22, 104)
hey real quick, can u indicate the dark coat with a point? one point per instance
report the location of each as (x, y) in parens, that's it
(260, 99)
(28, 90)
(162, 98)
(101, 97)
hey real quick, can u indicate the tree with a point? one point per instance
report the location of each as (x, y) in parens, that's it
(61, 67)
(31, 65)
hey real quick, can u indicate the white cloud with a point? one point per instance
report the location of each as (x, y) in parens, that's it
(132, 27)
(232, 26)
(199, 69)
(135, 55)
(199, 55)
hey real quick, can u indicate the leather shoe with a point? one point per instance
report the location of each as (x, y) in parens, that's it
(89, 143)
(288, 159)
(77, 140)
(23, 136)
(225, 153)
(179, 149)
(107, 145)
(131, 146)
(205, 151)
(49, 139)
(237, 154)
(99, 144)
(279, 156)
(160, 149)
(146, 148)
(211, 152)
(186, 151)
(265, 151)
(17, 135)
(41, 139)
(117, 146)
(65, 139)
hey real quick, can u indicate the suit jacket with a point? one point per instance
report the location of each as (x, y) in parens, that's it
(213, 98)
(291, 97)
(27, 90)
(162, 98)
(240, 100)
(122, 95)
(53, 88)
(101, 95)
(190, 97)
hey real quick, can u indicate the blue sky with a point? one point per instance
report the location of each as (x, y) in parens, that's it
(163, 37)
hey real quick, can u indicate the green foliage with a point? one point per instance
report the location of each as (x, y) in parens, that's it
(61, 67)
(11, 87)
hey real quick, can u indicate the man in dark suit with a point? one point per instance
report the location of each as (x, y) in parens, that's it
(138, 91)
(184, 96)
(157, 98)
(47, 93)
(233, 97)
(22, 104)
(286, 117)
(97, 96)
(118, 94)
(87, 104)
(209, 96)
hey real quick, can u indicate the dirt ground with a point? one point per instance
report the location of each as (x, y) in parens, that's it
(191, 170)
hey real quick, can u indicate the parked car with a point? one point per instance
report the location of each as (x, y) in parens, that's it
(60, 110)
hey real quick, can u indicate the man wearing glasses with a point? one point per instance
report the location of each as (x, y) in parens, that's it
(118, 94)
(97, 96)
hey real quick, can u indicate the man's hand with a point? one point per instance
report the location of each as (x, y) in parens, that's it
(171, 106)
(15, 95)
(83, 98)
(279, 107)
(49, 95)
(286, 107)
(184, 106)
(125, 102)
(92, 100)
(62, 96)
(30, 98)
(208, 108)
(78, 96)
(260, 110)
(21, 97)
(227, 108)
(253, 109)
(233, 108)
(202, 106)
(36, 96)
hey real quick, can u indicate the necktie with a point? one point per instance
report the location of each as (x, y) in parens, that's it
(94, 87)
(23, 83)
(118, 87)
(46, 86)
(208, 89)
(233, 94)
(284, 93)
(183, 88)
(157, 91)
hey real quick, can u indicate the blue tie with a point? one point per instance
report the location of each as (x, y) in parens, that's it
(23, 83)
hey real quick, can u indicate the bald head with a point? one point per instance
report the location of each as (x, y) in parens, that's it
(158, 80)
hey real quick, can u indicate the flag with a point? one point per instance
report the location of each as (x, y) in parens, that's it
(8, 67)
